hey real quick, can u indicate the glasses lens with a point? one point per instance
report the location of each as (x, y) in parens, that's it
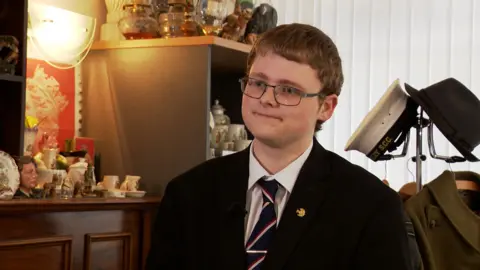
(253, 88)
(283, 95)
(287, 96)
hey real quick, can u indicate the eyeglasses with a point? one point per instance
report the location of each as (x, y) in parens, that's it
(284, 95)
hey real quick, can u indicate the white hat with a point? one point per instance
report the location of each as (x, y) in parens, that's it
(381, 130)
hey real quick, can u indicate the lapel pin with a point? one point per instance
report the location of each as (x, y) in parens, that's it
(301, 212)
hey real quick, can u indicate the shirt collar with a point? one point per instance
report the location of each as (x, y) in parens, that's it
(28, 194)
(286, 177)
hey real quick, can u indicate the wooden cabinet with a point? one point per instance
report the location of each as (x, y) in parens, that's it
(77, 234)
(13, 22)
(147, 102)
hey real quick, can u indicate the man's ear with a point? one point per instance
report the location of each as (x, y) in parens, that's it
(327, 107)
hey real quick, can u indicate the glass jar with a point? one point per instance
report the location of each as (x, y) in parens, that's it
(159, 7)
(211, 15)
(177, 25)
(218, 113)
(139, 22)
(179, 21)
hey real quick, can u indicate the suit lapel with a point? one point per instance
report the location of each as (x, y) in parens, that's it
(231, 184)
(304, 202)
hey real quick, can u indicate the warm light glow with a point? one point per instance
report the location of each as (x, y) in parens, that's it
(59, 35)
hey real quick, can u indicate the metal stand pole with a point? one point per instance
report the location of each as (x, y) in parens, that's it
(419, 153)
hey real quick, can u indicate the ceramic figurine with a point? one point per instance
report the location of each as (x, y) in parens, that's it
(264, 17)
(28, 178)
(77, 190)
(130, 183)
(8, 54)
(235, 24)
(49, 190)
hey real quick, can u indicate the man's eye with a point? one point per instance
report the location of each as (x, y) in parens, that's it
(289, 90)
(257, 83)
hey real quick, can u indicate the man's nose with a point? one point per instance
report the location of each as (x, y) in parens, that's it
(268, 97)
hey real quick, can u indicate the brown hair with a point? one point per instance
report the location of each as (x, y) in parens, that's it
(304, 44)
(23, 160)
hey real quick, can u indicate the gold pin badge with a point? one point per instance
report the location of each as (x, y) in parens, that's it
(301, 212)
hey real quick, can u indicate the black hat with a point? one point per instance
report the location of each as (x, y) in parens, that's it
(455, 110)
(385, 127)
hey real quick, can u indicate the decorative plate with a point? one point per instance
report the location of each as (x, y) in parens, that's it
(9, 176)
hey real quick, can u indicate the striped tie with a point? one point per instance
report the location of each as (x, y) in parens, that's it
(262, 234)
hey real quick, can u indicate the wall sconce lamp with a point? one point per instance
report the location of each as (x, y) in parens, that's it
(62, 38)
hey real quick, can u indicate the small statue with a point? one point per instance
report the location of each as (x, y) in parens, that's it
(77, 190)
(264, 17)
(67, 188)
(49, 191)
(53, 193)
(8, 54)
(46, 190)
(235, 24)
(130, 183)
(89, 184)
(56, 180)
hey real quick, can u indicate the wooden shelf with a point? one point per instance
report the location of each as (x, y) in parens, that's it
(11, 78)
(173, 42)
(81, 204)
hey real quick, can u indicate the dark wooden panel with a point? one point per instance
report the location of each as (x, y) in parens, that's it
(108, 251)
(12, 111)
(116, 232)
(38, 253)
(226, 60)
(226, 88)
(148, 109)
(13, 21)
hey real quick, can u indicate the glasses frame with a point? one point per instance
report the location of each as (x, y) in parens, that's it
(244, 81)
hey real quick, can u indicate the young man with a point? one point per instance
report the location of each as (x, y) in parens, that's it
(285, 202)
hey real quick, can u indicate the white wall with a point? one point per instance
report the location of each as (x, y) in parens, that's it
(420, 42)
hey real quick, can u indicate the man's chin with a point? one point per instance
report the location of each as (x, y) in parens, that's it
(270, 140)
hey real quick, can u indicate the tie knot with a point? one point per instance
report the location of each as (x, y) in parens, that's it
(269, 186)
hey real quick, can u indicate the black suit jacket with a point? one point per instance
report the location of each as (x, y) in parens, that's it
(352, 220)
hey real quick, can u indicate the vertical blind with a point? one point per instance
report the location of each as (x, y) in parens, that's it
(419, 42)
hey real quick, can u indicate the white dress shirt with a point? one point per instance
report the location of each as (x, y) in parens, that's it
(286, 178)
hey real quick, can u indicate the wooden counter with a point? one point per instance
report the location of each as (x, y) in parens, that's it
(78, 234)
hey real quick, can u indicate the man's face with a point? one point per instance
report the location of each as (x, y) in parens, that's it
(275, 124)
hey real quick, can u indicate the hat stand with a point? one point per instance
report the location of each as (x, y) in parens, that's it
(386, 157)
(420, 157)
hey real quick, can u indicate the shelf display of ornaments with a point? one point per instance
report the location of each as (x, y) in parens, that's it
(226, 138)
(238, 20)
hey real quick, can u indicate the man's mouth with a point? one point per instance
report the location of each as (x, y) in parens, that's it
(267, 116)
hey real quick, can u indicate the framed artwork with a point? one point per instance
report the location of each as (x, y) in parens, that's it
(50, 98)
